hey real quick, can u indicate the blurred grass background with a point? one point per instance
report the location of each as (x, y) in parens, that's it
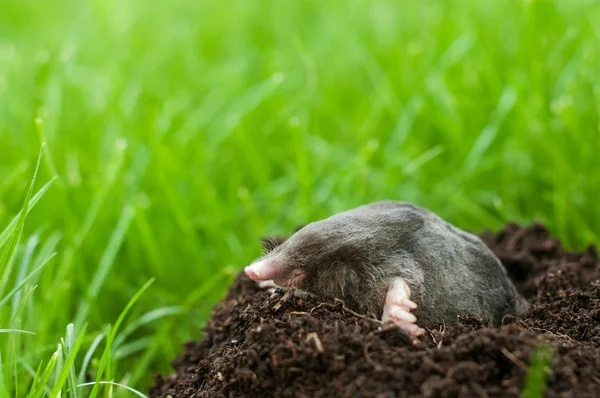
(182, 131)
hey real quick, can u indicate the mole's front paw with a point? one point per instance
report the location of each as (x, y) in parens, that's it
(269, 286)
(266, 284)
(397, 308)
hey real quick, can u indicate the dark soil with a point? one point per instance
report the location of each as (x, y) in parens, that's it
(257, 346)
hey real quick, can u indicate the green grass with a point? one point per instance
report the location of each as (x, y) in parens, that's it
(181, 131)
(539, 370)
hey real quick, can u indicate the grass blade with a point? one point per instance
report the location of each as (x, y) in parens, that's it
(35, 378)
(538, 372)
(15, 331)
(15, 235)
(106, 263)
(136, 392)
(112, 172)
(12, 225)
(23, 282)
(3, 391)
(106, 356)
(21, 305)
(15, 373)
(67, 367)
(72, 378)
(88, 356)
(507, 101)
(60, 360)
(24, 265)
(43, 381)
(147, 318)
(39, 124)
(132, 347)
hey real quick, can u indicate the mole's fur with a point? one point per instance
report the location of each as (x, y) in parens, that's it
(356, 254)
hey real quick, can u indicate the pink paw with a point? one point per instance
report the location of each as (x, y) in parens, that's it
(266, 284)
(397, 308)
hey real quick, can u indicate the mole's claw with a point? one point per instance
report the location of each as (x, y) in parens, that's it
(410, 328)
(397, 308)
(416, 332)
(410, 304)
(266, 284)
(269, 286)
(402, 315)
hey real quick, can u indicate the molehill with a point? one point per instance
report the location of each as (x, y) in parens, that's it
(287, 346)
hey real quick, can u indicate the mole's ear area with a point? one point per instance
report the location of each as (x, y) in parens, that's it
(262, 270)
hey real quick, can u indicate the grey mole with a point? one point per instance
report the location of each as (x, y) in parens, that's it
(356, 254)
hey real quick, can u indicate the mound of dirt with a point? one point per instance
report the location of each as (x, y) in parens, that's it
(286, 346)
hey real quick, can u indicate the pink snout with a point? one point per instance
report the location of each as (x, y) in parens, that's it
(263, 270)
(266, 270)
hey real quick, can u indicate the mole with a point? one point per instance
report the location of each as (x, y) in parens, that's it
(395, 261)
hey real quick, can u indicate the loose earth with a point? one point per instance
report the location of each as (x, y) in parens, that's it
(256, 345)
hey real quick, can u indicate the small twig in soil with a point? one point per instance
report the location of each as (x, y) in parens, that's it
(298, 313)
(357, 314)
(315, 338)
(511, 357)
(441, 331)
(285, 297)
(546, 331)
(434, 340)
(322, 305)
(345, 309)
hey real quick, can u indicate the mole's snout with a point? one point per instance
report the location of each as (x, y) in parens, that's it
(262, 270)
(270, 270)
